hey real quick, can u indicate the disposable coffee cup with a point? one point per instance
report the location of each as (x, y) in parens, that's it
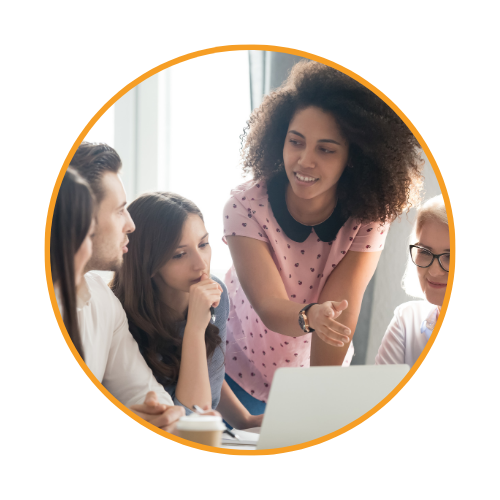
(202, 429)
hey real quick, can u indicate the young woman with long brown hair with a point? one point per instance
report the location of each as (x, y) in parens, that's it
(71, 247)
(177, 311)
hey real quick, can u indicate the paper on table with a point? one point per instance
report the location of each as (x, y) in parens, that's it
(250, 436)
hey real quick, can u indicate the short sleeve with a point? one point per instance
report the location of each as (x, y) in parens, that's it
(241, 220)
(392, 349)
(370, 237)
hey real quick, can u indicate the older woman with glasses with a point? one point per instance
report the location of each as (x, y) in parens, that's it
(414, 321)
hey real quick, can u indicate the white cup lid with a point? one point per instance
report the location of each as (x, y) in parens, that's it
(196, 422)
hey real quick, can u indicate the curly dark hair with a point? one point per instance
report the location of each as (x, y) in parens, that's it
(385, 176)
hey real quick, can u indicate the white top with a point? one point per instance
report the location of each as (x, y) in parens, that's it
(407, 333)
(110, 351)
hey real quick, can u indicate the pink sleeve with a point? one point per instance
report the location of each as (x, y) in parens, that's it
(240, 221)
(370, 238)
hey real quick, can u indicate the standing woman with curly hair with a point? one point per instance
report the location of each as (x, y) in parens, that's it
(332, 166)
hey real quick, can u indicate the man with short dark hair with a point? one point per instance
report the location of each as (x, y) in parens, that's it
(99, 165)
(111, 352)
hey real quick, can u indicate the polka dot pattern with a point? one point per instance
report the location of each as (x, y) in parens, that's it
(304, 268)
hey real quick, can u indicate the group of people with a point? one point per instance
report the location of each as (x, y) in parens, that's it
(332, 167)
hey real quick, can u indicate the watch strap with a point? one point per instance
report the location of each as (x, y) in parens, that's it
(301, 317)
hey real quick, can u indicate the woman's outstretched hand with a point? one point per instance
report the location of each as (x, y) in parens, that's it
(202, 296)
(322, 319)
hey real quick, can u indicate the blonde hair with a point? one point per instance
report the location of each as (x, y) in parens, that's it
(433, 209)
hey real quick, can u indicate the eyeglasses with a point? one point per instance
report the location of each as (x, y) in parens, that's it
(422, 257)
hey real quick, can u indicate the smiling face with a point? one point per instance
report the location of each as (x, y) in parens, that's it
(190, 260)
(315, 154)
(113, 223)
(435, 237)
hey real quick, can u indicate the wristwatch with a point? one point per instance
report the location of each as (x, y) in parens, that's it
(303, 320)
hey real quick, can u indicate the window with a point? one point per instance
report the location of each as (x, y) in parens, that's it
(209, 107)
(180, 131)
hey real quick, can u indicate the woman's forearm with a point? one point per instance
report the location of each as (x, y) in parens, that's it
(349, 282)
(233, 411)
(264, 288)
(323, 354)
(193, 385)
(281, 316)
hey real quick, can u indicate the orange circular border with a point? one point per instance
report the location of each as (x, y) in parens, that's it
(231, 48)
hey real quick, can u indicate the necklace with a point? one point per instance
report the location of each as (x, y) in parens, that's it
(311, 225)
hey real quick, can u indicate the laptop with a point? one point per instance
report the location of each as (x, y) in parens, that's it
(309, 403)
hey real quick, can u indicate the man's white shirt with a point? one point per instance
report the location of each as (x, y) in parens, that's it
(110, 351)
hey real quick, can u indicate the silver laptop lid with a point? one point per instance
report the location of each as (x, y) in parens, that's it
(308, 403)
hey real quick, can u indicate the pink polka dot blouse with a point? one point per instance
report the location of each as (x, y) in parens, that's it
(253, 352)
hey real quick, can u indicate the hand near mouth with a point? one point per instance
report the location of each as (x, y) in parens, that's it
(203, 295)
(205, 277)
